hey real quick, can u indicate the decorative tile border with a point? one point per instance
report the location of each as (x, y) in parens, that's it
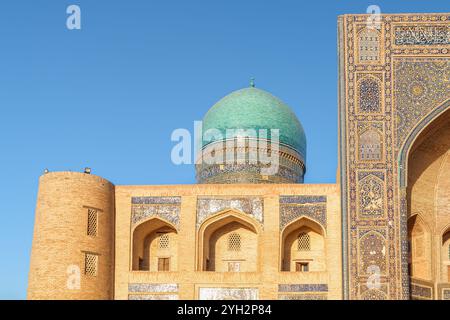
(228, 293)
(369, 293)
(293, 207)
(156, 200)
(444, 291)
(153, 297)
(153, 287)
(245, 173)
(167, 208)
(445, 294)
(418, 291)
(208, 206)
(421, 289)
(302, 297)
(291, 166)
(373, 294)
(323, 287)
(303, 199)
(423, 35)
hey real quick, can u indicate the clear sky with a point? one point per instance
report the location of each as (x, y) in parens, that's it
(108, 96)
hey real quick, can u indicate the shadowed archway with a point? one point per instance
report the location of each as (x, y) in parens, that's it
(425, 175)
(302, 247)
(228, 242)
(155, 246)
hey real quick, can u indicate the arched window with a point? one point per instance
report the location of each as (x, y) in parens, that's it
(303, 242)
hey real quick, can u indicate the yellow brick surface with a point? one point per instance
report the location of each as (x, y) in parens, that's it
(60, 237)
(268, 272)
(60, 240)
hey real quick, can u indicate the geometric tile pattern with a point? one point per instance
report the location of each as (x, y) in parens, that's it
(152, 287)
(167, 208)
(418, 291)
(293, 207)
(413, 71)
(303, 287)
(208, 206)
(153, 297)
(228, 294)
(302, 297)
(420, 34)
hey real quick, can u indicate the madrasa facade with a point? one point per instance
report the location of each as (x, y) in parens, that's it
(382, 231)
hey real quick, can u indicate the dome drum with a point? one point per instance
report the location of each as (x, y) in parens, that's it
(289, 168)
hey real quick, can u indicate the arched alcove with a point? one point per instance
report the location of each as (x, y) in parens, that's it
(303, 246)
(426, 175)
(419, 243)
(228, 242)
(155, 246)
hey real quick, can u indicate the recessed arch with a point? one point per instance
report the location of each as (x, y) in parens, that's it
(419, 248)
(302, 246)
(414, 139)
(153, 218)
(218, 248)
(424, 181)
(417, 217)
(445, 230)
(154, 246)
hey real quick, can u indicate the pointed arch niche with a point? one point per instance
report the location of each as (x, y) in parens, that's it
(155, 246)
(228, 242)
(302, 247)
(369, 45)
(425, 172)
(370, 145)
(419, 244)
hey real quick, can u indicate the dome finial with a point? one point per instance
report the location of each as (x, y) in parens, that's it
(252, 82)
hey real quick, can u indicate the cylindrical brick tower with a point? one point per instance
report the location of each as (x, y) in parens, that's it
(73, 245)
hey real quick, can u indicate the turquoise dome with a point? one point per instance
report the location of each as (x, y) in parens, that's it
(252, 108)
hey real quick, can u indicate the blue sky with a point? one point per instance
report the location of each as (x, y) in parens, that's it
(108, 96)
